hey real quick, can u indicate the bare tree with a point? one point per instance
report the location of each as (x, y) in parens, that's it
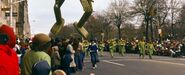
(94, 27)
(174, 7)
(161, 10)
(146, 9)
(119, 14)
(181, 23)
(105, 25)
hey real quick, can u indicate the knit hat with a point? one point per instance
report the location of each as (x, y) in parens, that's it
(5, 29)
(39, 40)
(41, 68)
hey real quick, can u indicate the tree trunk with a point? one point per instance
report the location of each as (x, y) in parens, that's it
(151, 28)
(107, 34)
(147, 27)
(119, 33)
(172, 25)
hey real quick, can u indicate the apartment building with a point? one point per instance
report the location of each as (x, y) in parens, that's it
(15, 14)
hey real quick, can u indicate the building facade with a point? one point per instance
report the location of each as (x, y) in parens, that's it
(19, 19)
(4, 9)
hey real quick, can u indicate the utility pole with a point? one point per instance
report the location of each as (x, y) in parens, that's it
(11, 13)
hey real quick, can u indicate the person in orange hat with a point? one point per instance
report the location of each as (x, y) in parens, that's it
(9, 60)
(37, 61)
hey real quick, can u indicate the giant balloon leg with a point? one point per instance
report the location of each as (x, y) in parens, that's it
(87, 7)
(59, 20)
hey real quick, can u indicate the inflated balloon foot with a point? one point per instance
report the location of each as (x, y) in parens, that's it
(57, 27)
(82, 31)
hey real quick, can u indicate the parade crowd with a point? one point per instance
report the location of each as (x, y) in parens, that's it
(53, 55)
(42, 55)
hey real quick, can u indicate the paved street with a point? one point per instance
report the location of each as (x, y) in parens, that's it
(131, 64)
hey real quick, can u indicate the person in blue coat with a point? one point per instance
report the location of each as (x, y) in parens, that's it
(93, 49)
(66, 62)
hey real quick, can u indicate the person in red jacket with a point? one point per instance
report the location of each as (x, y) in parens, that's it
(9, 60)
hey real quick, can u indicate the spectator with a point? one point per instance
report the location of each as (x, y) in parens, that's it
(183, 48)
(66, 59)
(55, 56)
(40, 44)
(77, 46)
(72, 52)
(9, 60)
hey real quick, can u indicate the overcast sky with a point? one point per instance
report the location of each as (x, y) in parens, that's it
(41, 14)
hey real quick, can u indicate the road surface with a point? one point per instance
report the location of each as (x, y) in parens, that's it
(131, 64)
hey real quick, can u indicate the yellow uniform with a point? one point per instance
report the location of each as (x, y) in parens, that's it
(101, 47)
(150, 48)
(142, 48)
(122, 47)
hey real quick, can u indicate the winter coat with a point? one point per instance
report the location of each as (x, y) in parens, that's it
(55, 56)
(32, 57)
(72, 52)
(9, 61)
(93, 47)
(66, 59)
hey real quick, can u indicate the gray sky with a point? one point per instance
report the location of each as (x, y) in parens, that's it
(41, 14)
